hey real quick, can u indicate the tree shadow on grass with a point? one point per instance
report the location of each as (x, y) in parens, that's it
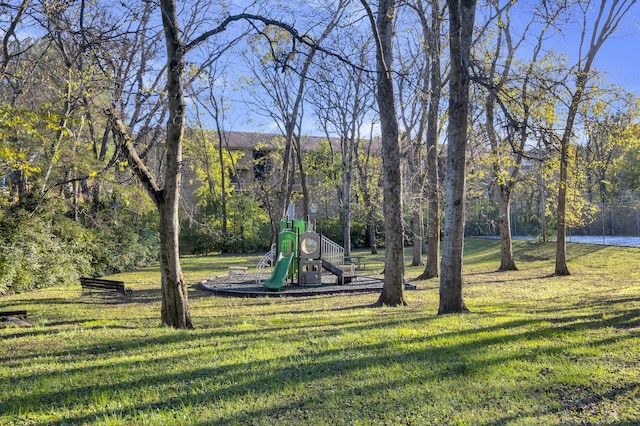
(312, 375)
(52, 301)
(103, 299)
(226, 383)
(302, 312)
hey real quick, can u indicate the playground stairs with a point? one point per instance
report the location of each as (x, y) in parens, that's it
(331, 252)
(333, 260)
(342, 277)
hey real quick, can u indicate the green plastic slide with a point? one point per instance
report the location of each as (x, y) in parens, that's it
(279, 275)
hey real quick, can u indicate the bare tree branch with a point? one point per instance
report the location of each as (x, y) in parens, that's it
(138, 166)
(304, 39)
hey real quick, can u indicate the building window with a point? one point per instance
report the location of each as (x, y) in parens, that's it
(261, 164)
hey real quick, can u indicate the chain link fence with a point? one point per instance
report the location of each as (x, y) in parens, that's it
(613, 220)
(620, 219)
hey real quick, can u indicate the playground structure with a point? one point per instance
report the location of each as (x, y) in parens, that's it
(295, 266)
(301, 256)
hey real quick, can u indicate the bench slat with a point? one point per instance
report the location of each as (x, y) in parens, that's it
(100, 281)
(105, 285)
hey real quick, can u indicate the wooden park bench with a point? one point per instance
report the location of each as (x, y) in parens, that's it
(17, 314)
(18, 318)
(89, 285)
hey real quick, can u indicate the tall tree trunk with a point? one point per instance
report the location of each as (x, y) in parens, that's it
(507, 262)
(432, 235)
(175, 303)
(605, 23)
(461, 18)
(223, 183)
(417, 180)
(504, 185)
(383, 27)
(291, 138)
(367, 196)
(22, 188)
(303, 181)
(504, 179)
(432, 190)
(418, 234)
(561, 221)
(347, 149)
(371, 228)
(282, 204)
(346, 216)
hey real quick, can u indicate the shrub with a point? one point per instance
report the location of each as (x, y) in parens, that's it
(34, 255)
(126, 245)
(46, 249)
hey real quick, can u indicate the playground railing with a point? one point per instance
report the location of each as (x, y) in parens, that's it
(265, 262)
(332, 252)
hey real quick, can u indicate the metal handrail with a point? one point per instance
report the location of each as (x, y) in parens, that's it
(266, 261)
(332, 252)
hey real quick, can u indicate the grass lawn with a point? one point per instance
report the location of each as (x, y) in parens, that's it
(535, 349)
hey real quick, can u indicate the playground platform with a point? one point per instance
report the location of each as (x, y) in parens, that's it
(248, 286)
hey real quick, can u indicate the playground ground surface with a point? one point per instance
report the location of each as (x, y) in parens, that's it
(249, 285)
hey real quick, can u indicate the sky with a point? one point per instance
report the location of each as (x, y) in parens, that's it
(618, 59)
